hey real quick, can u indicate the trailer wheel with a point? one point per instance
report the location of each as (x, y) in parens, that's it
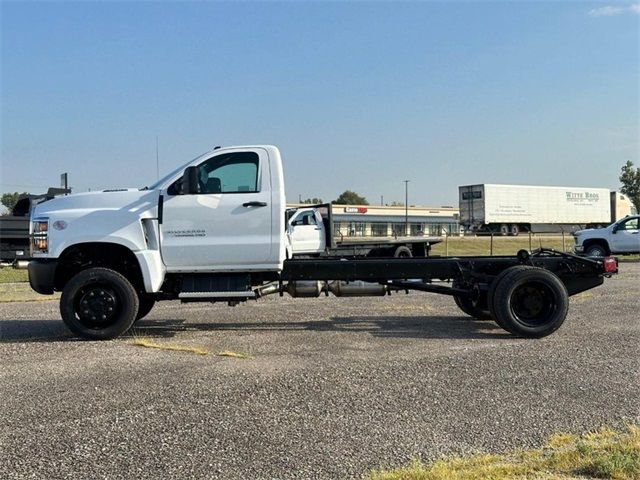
(403, 252)
(531, 303)
(474, 308)
(145, 305)
(514, 230)
(98, 304)
(504, 229)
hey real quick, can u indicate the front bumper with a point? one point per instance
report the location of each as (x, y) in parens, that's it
(42, 274)
(578, 248)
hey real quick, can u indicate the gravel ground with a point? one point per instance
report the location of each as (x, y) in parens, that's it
(334, 388)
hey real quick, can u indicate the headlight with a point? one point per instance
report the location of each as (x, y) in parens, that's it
(40, 235)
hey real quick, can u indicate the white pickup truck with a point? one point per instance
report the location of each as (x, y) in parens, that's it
(214, 230)
(621, 237)
(311, 232)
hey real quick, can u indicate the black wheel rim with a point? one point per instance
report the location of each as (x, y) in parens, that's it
(96, 305)
(533, 304)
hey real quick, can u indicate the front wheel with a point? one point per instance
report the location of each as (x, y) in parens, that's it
(596, 251)
(145, 305)
(99, 304)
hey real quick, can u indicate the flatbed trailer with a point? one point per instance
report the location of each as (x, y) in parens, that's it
(327, 241)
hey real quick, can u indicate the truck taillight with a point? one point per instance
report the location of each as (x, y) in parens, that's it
(610, 264)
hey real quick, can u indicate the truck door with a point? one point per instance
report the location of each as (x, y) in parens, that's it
(307, 232)
(627, 236)
(227, 225)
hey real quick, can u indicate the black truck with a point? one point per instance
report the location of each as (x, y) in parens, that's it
(14, 227)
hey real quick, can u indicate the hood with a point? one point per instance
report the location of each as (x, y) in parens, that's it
(577, 233)
(129, 200)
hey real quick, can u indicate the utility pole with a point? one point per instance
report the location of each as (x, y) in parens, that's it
(406, 207)
(381, 200)
(299, 198)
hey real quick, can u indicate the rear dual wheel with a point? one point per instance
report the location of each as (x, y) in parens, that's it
(476, 308)
(528, 301)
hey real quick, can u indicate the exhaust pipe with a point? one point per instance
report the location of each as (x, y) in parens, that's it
(313, 289)
(357, 289)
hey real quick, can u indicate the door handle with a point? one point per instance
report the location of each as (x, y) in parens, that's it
(254, 204)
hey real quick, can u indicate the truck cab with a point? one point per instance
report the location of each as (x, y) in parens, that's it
(221, 212)
(621, 237)
(307, 232)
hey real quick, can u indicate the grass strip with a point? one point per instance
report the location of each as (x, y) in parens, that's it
(605, 453)
(13, 275)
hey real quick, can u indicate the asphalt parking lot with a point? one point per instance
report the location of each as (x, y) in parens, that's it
(333, 388)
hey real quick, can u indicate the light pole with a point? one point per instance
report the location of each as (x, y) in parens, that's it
(406, 207)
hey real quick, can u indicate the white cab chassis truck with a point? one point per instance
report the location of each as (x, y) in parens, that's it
(214, 231)
(511, 209)
(311, 233)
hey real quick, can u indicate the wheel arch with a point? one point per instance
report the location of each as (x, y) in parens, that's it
(597, 241)
(81, 256)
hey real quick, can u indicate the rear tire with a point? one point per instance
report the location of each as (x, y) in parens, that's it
(403, 252)
(492, 289)
(531, 303)
(474, 308)
(98, 304)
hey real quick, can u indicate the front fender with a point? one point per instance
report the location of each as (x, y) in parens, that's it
(152, 269)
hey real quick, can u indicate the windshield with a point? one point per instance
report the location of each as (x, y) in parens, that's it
(169, 176)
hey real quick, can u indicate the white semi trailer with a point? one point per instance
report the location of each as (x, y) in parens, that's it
(510, 209)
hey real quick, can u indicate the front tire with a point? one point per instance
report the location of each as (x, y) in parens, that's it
(99, 304)
(596, 250)
(145, 305)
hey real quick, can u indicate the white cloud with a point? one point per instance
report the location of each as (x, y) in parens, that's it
(611, 10)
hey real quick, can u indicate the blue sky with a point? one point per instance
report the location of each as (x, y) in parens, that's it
(356, 95)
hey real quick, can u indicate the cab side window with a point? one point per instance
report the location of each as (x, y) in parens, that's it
(307, 218)
(235, 172)
(231, 173)
(631, 224)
